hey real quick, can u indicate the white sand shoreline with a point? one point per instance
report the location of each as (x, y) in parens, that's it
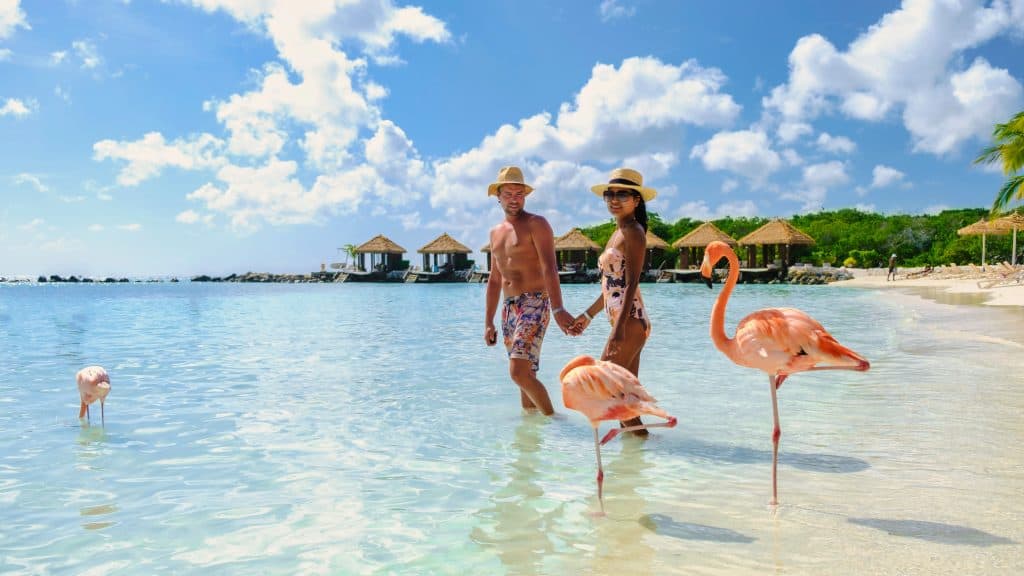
(874, 279)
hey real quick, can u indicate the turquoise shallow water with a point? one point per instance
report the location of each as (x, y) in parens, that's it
(365, 429)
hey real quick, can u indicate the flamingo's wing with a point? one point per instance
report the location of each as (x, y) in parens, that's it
(605, 391)
(787, 340)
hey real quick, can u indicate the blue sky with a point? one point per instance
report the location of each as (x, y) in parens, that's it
(216, 136)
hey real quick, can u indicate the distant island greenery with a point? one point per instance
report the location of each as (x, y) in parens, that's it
(852, 238)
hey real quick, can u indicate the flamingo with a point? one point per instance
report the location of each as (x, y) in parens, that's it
(93, 385)
(604, 390)
(778, 341)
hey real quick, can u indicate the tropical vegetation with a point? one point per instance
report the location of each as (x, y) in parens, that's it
(853, 238)
(1007, 149)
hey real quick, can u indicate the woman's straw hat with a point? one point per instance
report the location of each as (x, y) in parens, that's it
(508, 175)
(626, 178)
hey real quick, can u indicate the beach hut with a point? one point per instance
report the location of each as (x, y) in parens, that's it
(487, 250)
(691, 245)
(456, 254)
(983, 227)
(572, 249)
(1015, 222)
(385, 255)
(655, 246)
(775, 234)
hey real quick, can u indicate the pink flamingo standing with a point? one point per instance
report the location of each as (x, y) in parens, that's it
(779, 341)
(93, 385)
(606, 391)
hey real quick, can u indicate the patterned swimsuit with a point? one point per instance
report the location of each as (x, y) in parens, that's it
(613, 285)
(524, 319)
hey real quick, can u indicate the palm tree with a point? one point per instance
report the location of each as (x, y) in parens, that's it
(1008, 149)
(350, 252)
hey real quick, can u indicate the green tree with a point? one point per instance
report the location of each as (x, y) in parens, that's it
(1008, 149)
(350, 252)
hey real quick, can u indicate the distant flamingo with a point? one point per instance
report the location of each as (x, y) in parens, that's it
(779, 341)
(93, 385)
(606, 391)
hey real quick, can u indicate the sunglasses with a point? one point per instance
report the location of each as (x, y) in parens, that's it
(618, 195)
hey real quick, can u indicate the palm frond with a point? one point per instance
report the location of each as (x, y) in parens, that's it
(1012, 190)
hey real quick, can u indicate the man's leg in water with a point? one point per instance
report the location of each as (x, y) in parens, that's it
(532, 391)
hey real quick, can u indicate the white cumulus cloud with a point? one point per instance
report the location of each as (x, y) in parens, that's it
(882, 176)
(17, 108)
(612, 9)
(11, 18)
(744, 152)
(910, 60)
(835, 144)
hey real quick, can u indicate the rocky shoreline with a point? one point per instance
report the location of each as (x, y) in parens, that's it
(796, 275)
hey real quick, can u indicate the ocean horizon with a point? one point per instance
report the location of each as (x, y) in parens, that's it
(366, 429)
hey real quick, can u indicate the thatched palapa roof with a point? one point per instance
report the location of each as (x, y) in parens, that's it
(444, 244)
(380, 244)
(1011, 221)
(575, 240)
(703, 235)
(776, 232)
(655, 243)
(486, 248)
(983, 226)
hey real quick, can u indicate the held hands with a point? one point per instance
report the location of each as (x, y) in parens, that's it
(565, 321)
(580, 323)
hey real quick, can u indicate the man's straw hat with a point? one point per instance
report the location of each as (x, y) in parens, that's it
(508, 175)
(626, 178)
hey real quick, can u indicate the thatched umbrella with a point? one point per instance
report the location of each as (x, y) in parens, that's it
(455, 252)
(391, 253)
(983, 227)
(575, 246)
(697, 239)
(1014, 221)
(778, 232)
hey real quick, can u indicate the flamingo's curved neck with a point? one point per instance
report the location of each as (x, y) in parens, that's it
(718, 335)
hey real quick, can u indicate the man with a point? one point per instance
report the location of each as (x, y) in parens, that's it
(523, 269)
(892, 268)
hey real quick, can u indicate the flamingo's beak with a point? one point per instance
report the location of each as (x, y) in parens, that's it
(707, 280)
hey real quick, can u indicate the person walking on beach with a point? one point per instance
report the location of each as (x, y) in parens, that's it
(621, 265)
(524, 270)
(892, 268)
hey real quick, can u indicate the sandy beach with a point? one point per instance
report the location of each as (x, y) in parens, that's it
(967, 287)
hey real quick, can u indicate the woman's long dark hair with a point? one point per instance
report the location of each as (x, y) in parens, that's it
(641, 212)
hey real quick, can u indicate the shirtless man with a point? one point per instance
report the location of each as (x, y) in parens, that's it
(523, 269)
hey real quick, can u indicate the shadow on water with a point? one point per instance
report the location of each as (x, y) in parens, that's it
(933, 531)
(666, 526)
(817, 462)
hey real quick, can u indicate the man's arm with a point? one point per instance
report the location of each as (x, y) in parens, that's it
(493, 294)
(544, 240)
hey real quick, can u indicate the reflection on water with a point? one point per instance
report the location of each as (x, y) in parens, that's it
(622, 545)
(100, 510)
(513, 526)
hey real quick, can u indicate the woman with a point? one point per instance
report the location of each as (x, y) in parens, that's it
(621, 265)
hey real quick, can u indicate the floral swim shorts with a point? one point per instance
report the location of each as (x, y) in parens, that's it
(524, 319)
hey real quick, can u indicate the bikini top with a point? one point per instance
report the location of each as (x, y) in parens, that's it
(612, 263)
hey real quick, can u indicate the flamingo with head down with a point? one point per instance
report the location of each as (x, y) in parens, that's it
(778, 341)
(606, 391)
(93, 385)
